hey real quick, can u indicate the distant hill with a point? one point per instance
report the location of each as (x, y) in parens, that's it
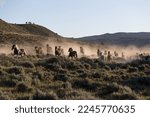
(24, 33)
(137, 39)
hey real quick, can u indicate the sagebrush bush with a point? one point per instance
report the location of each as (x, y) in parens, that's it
(27, 64)
(39, 95)
(35, 77)
(96, 75)
(70, 65)
(53, 60)
(22, 88)
(132, 69)
(60, 77)
(84, 84)
(87, 66)
(53, 67)
(126, 96)
(8, 83)
(15, 70)
(38, 75)
(2, 96)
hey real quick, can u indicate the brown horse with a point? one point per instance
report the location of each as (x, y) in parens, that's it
(72, 53)
(57, 51)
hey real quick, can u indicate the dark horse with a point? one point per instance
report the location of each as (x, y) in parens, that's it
(18, 51)
(72, 54)
(57, 51)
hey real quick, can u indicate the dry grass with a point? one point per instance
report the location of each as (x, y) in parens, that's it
(59, 78)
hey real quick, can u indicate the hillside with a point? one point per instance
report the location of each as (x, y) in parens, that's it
(50, 77)
(24, 33)
(137, 39)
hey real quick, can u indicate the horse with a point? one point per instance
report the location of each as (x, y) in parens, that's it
(38, 50)
(57, 51)
(72, 53)
(109, 58)
(49, 49)
(82, 50)
(17, 51)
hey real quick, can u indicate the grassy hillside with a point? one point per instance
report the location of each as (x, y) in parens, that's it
(53, 77)
(24, 33)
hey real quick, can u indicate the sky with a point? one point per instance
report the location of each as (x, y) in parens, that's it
(79, 18)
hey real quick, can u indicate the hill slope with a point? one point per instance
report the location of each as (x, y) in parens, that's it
(50, 77)
(137, 39)
(24, 33)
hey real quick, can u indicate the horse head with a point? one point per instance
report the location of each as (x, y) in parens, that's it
(70, 50)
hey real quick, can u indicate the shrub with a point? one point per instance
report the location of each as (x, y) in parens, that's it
(107, 67)
(109, 89)
(15, 70)
(83, 75)
(53, 67)
(84, 84)
(22, 87)
(71, 65)
(53, 60)
(8, 83)
(132, 69)
(96, 75)
(137, 83)
(86, 66)
(27, 64)
(36, 82)
(62, 71)
(3, 74)
(60, 77)
(38, 75)
(3, 97)
(126, 96)
(39, 95)
(28, 97)
(86, 60)
(67, 85)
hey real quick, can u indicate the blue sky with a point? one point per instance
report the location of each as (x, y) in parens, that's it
(78, 18)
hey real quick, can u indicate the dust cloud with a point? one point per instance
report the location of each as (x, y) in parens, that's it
(90, 50)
